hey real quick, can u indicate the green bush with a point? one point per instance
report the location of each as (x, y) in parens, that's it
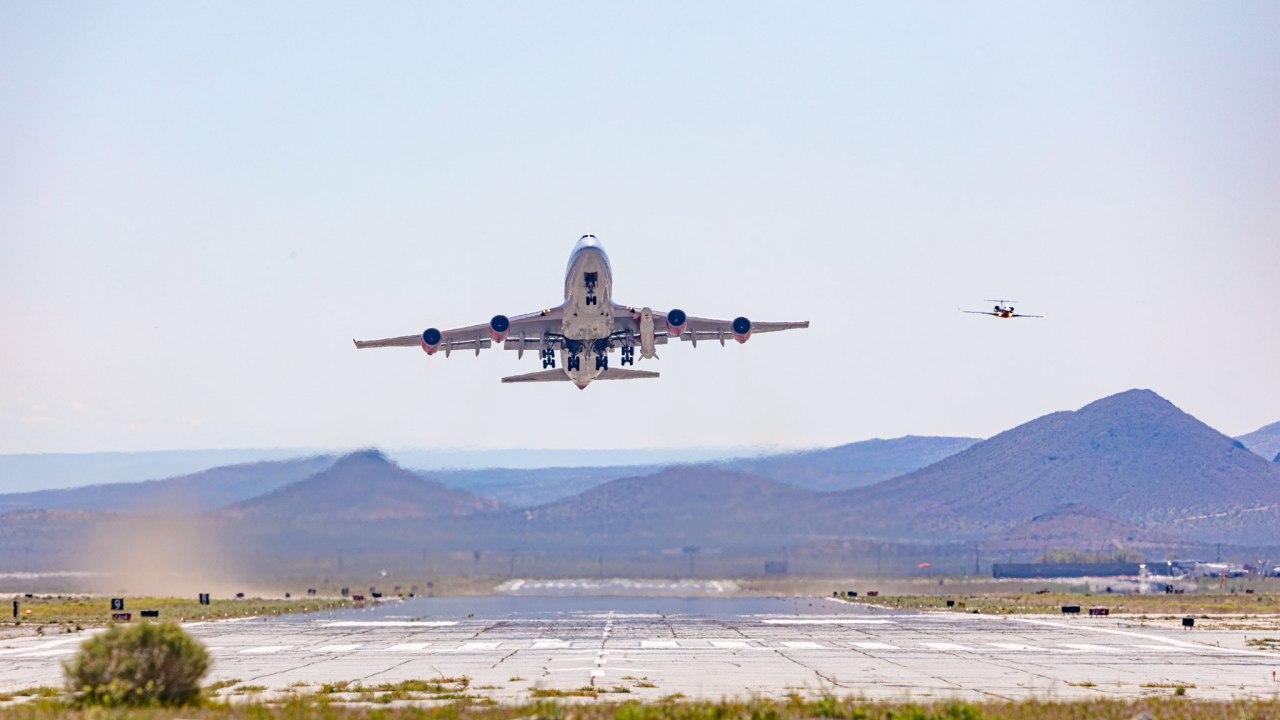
(144, 664)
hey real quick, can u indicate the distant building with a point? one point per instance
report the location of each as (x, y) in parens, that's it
(1056, 570)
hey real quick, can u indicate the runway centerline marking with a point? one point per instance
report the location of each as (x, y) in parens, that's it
(875, 646)
(803, 645)
(264, 649)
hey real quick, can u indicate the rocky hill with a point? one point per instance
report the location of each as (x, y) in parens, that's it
(852, 465)
(1133, 454)
(1264, 441)
(362, 486)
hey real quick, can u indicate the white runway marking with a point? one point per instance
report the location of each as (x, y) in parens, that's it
(392, 623)
(804, 645)
(731, 644)
(549, 644)
(41, 646)
(825, 621)
(658, 644)
(1091, 648)
(264, 649)
(475, 647)
(1166, 648)
(876, 646)
(1016, 647)
(948, 646)
(337, 648)
(49, 653)
(409, 647)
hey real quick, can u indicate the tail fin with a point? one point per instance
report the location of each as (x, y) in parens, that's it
(557, 375)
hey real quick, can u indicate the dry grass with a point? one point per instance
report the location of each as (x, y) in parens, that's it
(1040, 603)
(69, 612)
(581, 706)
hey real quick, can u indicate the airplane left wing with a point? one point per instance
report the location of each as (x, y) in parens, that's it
(523, 331)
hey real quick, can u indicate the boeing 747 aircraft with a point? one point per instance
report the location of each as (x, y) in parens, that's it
(587, 324)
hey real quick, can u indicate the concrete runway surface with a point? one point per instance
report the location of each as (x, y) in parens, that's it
(708, 648)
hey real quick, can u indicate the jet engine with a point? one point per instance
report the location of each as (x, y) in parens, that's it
(498, 327)
(676, 320)
(431, 338)
(741, 329)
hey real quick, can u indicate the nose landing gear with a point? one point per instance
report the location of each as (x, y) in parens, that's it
(590, 279)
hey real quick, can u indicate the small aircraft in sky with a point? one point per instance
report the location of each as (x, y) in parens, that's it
(582, 332)
(1002, 309)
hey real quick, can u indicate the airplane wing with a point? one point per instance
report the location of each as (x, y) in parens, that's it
(1021, 315)
(977, 312)
(526, 331)
(695, 328)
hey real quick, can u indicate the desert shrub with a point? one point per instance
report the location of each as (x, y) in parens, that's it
(144, 664)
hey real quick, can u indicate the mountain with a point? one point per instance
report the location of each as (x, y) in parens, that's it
(28, 472)
(1264, 441)
(361, 486)
(852, 465)
(534, 486)
(1077, 527)
(838, 468)
(680, 505)
(196, 492)
(1133, 454)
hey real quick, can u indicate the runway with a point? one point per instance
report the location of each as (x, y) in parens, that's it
(707, 648)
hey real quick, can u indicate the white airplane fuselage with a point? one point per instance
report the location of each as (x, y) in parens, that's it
(588, 306)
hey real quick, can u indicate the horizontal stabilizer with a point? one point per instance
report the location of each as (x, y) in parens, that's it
(558, 375)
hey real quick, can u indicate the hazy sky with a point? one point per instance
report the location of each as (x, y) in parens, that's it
(201, 204)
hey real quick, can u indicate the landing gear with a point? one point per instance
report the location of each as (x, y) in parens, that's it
(590, 279)
(602, 354)
(548, 357)
(573, 363)
(628, 355)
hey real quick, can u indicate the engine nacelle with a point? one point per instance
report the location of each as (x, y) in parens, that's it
(431, 338)
(741, 329)
(498, 328)
(676, 320)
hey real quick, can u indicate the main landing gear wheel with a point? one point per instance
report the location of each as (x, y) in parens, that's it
(628, 355)
(548, 358)
(573, 363)
(602, 362)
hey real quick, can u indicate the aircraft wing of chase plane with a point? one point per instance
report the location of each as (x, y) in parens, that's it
(576, 338)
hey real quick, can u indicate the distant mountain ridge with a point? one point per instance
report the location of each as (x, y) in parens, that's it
(1133, 454)
(853, 464)
(196, 492)
(1265, 441)
(361, 486)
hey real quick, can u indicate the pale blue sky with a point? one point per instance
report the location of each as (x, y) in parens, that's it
(201, 204)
